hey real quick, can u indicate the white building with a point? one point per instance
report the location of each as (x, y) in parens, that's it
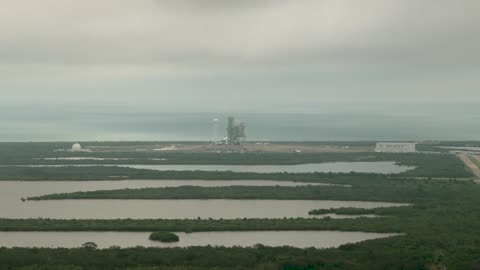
(76, 147)
(395, 147)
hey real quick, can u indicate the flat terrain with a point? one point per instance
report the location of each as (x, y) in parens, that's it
(249, 147)
(436, 223)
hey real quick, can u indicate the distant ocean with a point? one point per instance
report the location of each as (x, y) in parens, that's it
(57, 123)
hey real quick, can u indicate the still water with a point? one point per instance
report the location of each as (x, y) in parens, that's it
(171, 209)
(300, 239)
(28, 188)
(383, 167)
(12, 207)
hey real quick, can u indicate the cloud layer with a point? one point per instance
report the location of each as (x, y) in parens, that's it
(307, 51)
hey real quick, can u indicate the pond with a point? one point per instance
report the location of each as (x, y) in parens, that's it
(300, 239)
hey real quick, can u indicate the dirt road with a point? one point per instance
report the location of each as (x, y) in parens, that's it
(471, 165)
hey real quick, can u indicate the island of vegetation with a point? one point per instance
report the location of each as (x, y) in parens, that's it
(166, 237)
(342, 211)
(361, 187)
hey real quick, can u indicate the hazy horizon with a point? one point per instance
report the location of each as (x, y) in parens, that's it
(332, 123)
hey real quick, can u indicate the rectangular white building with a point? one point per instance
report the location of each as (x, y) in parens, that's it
(395, 147)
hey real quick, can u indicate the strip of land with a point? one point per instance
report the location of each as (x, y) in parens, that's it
(382, 189)
(201, 225)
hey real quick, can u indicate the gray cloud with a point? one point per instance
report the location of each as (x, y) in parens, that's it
(216, 5)
(140, 31)
(325, 50)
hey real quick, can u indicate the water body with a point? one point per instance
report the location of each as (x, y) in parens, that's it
(300, 239)
(12, 207)
(172, 209)
(382, 167)
(29, 188)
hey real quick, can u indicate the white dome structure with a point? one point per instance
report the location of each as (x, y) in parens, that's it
(76, 147)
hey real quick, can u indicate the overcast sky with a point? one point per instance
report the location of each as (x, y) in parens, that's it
(180, 55)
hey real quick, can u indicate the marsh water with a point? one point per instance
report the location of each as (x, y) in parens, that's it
(382, 167)
(12, 207)
(30, 188)
(171, 209)
(300, 239)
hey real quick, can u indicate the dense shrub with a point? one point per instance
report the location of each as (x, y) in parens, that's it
(166, 237)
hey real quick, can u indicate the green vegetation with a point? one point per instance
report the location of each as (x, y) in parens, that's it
(342, 211)
(245, 192)
(166, 237)
(437, 145)
(392, 253)
(92, 173)
(201, 225)
(363, 188)
(440, 228)
(428, 165)
(90, 245)
(16, 153)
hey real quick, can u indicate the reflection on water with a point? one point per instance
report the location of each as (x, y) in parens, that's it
(31, 188)
(382, 167)
(300, 239)
(12, 207)
(172, 209)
